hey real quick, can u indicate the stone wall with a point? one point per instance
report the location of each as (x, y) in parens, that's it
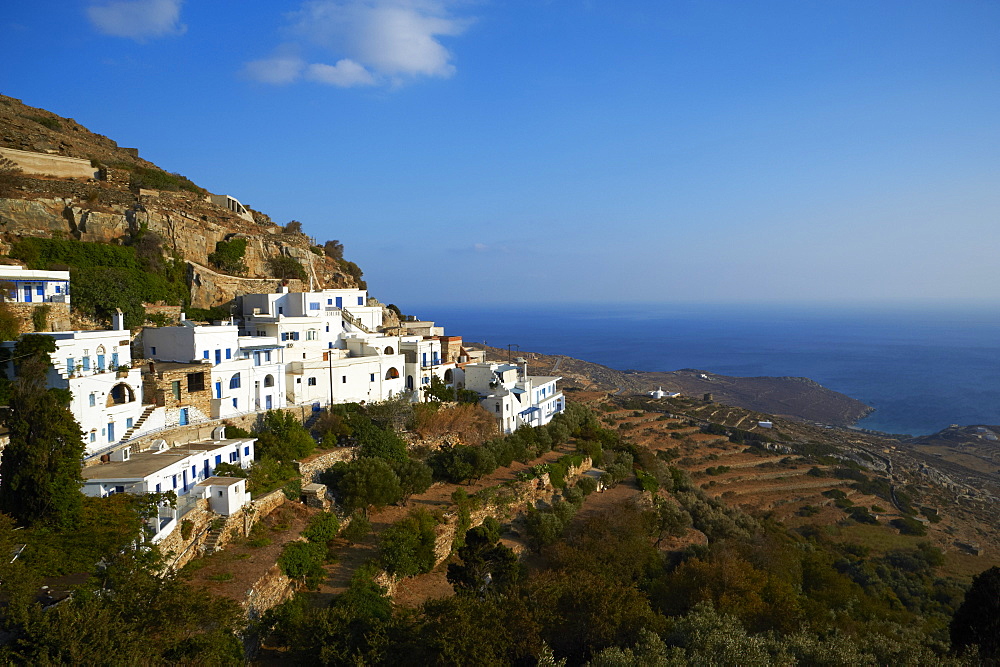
(43, 164)
(58, 318)
(311, 468)
(269, 591)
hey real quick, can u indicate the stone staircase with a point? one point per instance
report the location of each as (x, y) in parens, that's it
(135, 427)
(212, 541)
(354, 321)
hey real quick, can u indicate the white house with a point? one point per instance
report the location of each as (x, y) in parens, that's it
(107, 392)
(243, 373)
(187, 470)
(514, 397)
(27, 286)
(333, 350)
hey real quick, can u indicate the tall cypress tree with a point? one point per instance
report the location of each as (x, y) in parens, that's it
(40, 470)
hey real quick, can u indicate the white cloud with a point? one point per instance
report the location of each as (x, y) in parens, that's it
(137, 19)
(345, 73)
(375, 41)
(277, 70)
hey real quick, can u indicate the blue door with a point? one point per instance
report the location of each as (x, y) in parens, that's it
(100, 362)
(111, 432)
(184, 417)
(218, 390)
(208, 473)
(267, 401)
(218, 356)
(340, 302)
(27, 295)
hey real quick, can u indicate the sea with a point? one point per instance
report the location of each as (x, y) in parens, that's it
(922, 369)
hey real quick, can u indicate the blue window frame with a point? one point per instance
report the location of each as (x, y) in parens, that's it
(218, 356)
(93, 400)
(314, 305)
(340, 302)
(235, 403)
(128, 423)
(361, 300)
(40, 291)
(246, 451)
(229, 353)
(234, 382)
(284, 335)
(267, 355)
(152, 351)
(204, 355)
(86, 363)
(218, 459)
(329, 302)
(58, 289)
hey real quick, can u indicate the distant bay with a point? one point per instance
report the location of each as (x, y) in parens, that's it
(921, 369)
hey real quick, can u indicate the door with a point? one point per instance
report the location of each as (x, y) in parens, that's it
(267, 401)
(184, 417)
(100, 362)
(218, 390)
(208, 473)
(340, 302)
(27, 295)
(111, 432)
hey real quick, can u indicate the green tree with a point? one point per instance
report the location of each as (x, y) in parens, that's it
(414, 476)
(282, 437)
(283, 266)
(406, 548)
(228, 256)
(40, 467)
(486, 564)
(365, 482)
(977, 620)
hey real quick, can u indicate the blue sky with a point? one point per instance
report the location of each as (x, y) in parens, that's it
(544, 151)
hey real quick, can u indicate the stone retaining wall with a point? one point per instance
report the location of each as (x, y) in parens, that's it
(58, 318)
(311, 468)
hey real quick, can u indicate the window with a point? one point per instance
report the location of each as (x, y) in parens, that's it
(343, 379)
(58, 289)
(204, 355)
(256, 358)
(312, 382)
(246, 451)
(93, 400)
(152, 350)
(128, 423)
(70, 365)
(328, 328)
(233, 457)
(284, 335)
(314, 305)
(218, 356)
(229, 353)
(175, 389)
(269, 381)
(329, 302)
(498, 407)
(295, 335)
(261, 333)
(372, 378)
(93, 436)
(174, 479)
(40, 291)
(234, 382)
(196, 382)
(312, 334)
(267, 356)
(361, 300)
(235, 406)
(157, 488)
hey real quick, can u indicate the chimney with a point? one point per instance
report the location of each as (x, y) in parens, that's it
(118, 320)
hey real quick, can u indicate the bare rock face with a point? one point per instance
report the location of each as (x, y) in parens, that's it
(114, 209)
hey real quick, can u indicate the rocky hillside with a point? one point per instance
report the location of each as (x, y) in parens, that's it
(127, 194)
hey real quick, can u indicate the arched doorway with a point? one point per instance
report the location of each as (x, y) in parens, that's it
(449, 376)
(391, 374)
(409, 382)
(121, 393)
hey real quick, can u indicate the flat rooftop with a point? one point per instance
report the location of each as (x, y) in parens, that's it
(146, 463)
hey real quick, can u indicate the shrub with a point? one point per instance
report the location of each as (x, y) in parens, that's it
(186, 527)
(228, 256)
(358, 528)
(257, 542)
(909, 526)
(287, 268)
(406, 548)
(303, 561)
(40, 317)
(587, 485)
(322, 528)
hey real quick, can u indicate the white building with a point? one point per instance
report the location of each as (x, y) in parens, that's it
(514, 397)
(187, 470)
(245, 373)
(333, 350)
(26, 286)
(107, 393)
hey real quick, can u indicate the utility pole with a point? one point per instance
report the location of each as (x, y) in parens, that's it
(510, 345)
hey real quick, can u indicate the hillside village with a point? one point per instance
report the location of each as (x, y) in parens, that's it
(275, 465)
